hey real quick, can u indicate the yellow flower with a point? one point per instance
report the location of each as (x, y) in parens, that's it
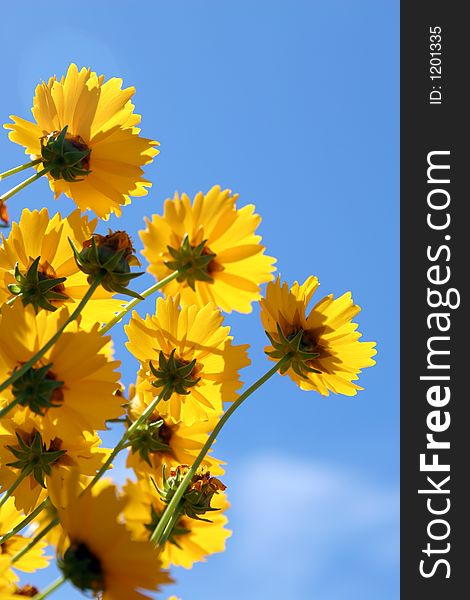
(216, 245)
(36, 235)
(99, 554)
(328, 355)
(101, 136)
(24, 449)
(191, 540)
(73, 383)
(162, 441)
(34, 559)
(193, 342)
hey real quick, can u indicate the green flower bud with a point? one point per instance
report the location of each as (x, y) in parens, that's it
(110, 257)
(197, 498)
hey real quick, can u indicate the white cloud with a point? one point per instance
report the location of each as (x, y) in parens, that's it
(311, 525)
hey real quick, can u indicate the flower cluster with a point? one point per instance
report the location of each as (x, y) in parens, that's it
(60, 386)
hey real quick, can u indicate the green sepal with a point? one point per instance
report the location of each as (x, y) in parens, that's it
(36, 289)
(190, 263)
(65, 157)
(34, 458)
(174, 375)
(113, 268)
(292, 347)
(35, 390)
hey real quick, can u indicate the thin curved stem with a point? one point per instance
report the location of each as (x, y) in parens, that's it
(23, 184)
(50, 588)
(32, 361)
(130, 305)
(26, 521)
(172, 507)
(20, 168)
(122, 442)
(37, 538)
(143, 417)
(24, 473)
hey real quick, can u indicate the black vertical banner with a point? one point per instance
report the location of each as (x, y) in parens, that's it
(435, 330)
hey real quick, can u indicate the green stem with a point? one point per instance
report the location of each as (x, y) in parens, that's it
(23, 184)
(122, 442)
(37, 538)
(32, 361)
(51, 588)
(172, 506)
(169, 528)
(15, 170)
(130, 305)
(24, 473)
(26, 521)
(143, 417)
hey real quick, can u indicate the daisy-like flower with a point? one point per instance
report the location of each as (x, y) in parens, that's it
(191, 540)
(37, 254)
(71, 388)
(99, 555)
(85, 133)
(161, 441)
(326, 354)
(24, 451)
(187, 352)
(35, 559)
(213, 245)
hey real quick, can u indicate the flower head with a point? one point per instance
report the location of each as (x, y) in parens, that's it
(108, 257)
(24, 450)
(186, 351)
(85, 132)
(162, 441)
(71, 388)
(37, 264)
(214, 247)
(197, 498)
(321, 350)
(190, 541)
(99, 555)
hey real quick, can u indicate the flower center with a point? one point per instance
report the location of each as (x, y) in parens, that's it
(38, 389)
(65, 156)
(174, 375)
(151, 438)
(82, 568)
(39, 286)
(193, 263)
(33, 457)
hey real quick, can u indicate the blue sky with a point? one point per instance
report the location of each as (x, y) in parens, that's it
(294, 105)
